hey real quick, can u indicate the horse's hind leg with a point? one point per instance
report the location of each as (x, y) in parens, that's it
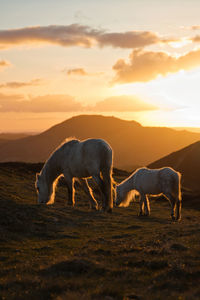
(70, 187)
(178, 209)
(107, 190)
(173, 205)
(85, 185)
(142, 201)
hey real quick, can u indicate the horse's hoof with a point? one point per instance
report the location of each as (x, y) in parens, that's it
(95, 208)
(173, 219)
(146, 215)
(140, 214)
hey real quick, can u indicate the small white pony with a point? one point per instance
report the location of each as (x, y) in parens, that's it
(153, 182)
(78, 160)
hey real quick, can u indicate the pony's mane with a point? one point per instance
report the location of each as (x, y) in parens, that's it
(128, 197)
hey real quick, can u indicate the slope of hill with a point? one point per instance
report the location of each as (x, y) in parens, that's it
(4, 137)
(56, 252)
(133, 144)
(12, 136)
(186, 161)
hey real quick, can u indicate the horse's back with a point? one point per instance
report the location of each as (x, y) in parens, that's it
(152, 181)
(86, 158)
(96, 150)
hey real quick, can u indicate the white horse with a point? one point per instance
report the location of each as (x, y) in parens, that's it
(78, 160)
(151, 182)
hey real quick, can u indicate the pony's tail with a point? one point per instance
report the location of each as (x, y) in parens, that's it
(179, 195)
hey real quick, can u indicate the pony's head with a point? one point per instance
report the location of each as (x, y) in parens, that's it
(123, 198)
(43, 190)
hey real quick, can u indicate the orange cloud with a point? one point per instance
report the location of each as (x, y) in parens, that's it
(77, 35)
(195, 27)
(18, 84)
(147, 65)
(195, 39)
(4, 64)
(66, 103)
(77, 71)
(80, 72)
(123, 104)
(48, 103)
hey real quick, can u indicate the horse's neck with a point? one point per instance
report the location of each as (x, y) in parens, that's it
(129, 184)
(51, 170)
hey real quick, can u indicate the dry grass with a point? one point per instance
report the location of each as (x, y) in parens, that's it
(56, 252)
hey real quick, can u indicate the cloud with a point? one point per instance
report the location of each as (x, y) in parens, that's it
(77, 35)
(19, 84)
(195, 27)
(80, 72)
(66, 103)
(123, 103)
(4, 64)
(77, 71)
(130, 39)
(48, 103)
(147, 65)
(195, 39)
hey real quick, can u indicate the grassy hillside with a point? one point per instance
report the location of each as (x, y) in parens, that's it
(56, 252)
(133, 144)
(186, 161)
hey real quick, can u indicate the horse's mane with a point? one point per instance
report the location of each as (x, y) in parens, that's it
(70, 140)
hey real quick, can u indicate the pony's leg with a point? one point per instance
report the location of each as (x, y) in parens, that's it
(142, 200)
(172, 200)
(178, 210)
(146, 206)
(85, 185)
(70, 187)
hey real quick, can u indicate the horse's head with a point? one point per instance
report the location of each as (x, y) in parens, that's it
(42, 189)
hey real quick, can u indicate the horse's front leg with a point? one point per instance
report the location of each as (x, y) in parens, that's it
(142, 200)
(146, 206)
(86, 187)
(70, 187)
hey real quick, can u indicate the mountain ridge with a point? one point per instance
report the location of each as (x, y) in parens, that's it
(133, 144)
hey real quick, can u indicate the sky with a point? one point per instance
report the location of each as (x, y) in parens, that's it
(133, 59)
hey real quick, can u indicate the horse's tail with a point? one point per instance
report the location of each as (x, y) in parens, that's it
(106, 171)
(178, 195)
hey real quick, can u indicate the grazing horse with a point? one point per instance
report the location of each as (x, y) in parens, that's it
(78, 160)
(151, 182)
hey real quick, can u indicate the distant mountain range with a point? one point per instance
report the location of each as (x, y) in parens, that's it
(4, 137)
(133, 144)
(186, 161)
